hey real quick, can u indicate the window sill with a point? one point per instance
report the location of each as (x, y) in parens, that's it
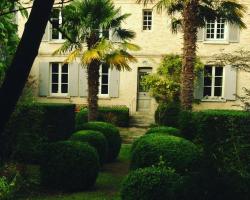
(56, 41)
(213, 99)
(223, 42)
(58, 97)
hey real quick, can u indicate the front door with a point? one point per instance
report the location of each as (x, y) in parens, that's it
(143, 97)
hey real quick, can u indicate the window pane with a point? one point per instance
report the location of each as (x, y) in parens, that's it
(54, 78)
(65, 68)
(104, 89)
(207, 91)
(64, 88)
(104, 79)
(218, 81)
(219, 71)
(105, 68)
(64, 78)
(208, 71)
(207, 81)
(54, 67)
(217, 91)
(54, 88)
(55, 34)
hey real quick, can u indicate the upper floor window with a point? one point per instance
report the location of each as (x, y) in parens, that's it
(215, 30)
(147, 20)
(213, 81)
(104, 80)
(59, 79)
(56, 19)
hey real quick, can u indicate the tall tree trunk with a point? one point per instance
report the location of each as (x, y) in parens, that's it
(22, 62)
(93, 81)
(189, 53)
(93, 90)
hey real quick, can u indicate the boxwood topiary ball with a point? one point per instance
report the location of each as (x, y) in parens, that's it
(152, 183)
(176, 152)
(95, 139)
(165, 130)
(112, 135)
(69, 166)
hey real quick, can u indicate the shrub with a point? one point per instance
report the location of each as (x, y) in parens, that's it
(95, 139)
(151, 183)
(23, 135)
(117, 115)
(165, 130)
(112, 135)
(178, 153)
(69, 166)
(167, 114)
(59, 121)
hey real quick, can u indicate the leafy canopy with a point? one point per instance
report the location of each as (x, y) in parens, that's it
(164, 85)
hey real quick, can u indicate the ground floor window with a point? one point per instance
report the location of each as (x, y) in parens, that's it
(104, 80)
(59, 79)
(213, 81)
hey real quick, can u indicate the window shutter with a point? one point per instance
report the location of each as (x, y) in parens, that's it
(46, 36)
(114, 83)
(200, 34)
(234, 33)
(73, 79)
(230, 83)
(198, 86)
(83, 82)
(44, 74)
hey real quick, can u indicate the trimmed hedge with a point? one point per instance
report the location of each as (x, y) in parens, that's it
(151, 183)
(69, 166)
(59, 121)
(95, 139)
(177, 153)
(112, 135)
(224, 136)
(165, 130)
(117, 115)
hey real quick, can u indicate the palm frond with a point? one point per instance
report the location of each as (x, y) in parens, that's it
(124, 34)
(130, 46)
(72, 56)
(89, 56)
(176, 25)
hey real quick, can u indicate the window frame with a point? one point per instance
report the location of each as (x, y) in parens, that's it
(146, 25)
(59, 94)
(215, 39)
(213, 86)
(60, 21)
(100, 82)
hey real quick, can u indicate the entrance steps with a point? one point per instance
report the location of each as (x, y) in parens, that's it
(142, 119)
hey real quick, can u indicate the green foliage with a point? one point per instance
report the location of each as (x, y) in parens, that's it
(224, 137)
(59, 120)
(164, 130)
(69, 166)
(164, 86)
(178, 153)
(95, 139)
(117, 115)
(167, 114)
(8, 37)
(112, 135)
(153, 183)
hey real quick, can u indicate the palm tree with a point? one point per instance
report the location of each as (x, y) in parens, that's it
(91, 26)
(189, 16)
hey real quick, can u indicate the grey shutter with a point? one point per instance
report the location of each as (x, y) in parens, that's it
(234, 33)
(83, 81)
(46, 36)
(44, 74)
(73, 79)
(199, 86)
(230, 83)
(200, 34)
(114, 83)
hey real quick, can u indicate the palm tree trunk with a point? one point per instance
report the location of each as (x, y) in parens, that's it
(22, 62)
(93, 82)
(93, 89)
(189, 53)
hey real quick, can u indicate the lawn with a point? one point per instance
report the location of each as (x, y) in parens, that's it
(107, 186)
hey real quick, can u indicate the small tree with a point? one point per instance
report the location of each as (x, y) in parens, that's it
(90, 26)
